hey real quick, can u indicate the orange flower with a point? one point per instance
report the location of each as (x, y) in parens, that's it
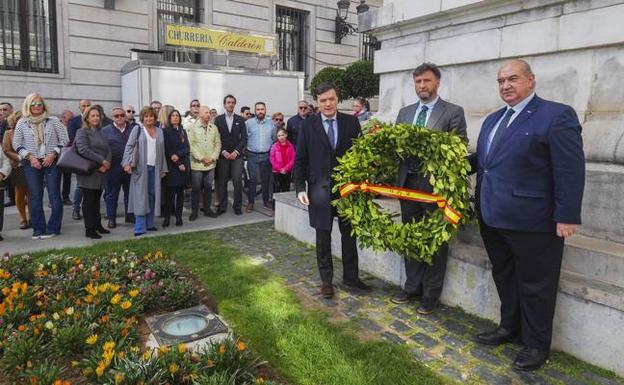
(21, 328)
(241, 346)
(221, 349)
(210, 363)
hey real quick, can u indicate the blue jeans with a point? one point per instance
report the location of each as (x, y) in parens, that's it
(116, 179)
(144, 222)
(259, 168)
(77, 199)
(35, 179)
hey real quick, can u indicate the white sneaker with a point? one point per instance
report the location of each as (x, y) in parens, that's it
(47, 236)
(36, 237)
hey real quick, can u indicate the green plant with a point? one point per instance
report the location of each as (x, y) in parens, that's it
(360, 80)
(178, 294)
(21, 352)
(70, 340)
(43, 373)
(332, 75)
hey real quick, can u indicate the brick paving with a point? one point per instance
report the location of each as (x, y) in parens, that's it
(442, 340)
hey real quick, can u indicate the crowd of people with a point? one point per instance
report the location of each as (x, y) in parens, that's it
(153, 156)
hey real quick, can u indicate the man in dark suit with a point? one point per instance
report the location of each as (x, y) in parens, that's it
(530, 178)
(230, 164)
(322, 139)
(424, 280)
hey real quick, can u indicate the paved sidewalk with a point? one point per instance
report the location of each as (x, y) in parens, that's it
(442, 340)
(73, 234)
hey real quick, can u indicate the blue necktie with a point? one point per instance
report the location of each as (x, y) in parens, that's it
(330, 133)
(501, 128)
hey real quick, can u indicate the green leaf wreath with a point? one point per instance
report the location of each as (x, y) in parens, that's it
(374, 158)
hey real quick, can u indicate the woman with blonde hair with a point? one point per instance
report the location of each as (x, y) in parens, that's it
(90, 144)
(144, 159)
(38, 139)
(18, 178)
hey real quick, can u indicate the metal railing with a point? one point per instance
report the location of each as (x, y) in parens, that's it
(370, 44)
(291, 27)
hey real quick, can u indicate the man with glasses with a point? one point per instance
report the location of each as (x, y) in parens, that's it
(294, 123)
(72, 127)
(130, 112)
(245, 112)
(116, 135)
(192, 117)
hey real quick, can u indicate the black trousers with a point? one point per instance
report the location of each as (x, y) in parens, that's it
(66, 186)
(526, 267)
(226, 170)
(422, 278)
(91, 209)
(349, 253)
(174, 201)
(1, 208)
(281, 182)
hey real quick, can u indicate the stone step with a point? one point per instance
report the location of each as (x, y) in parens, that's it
(592, 290)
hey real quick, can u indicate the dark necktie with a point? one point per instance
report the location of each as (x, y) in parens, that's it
(501, 128)
(422, 116)
(330, 133)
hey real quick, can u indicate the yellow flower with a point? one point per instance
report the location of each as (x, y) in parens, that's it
(116, 298)
(114, 288)
(103, 287)
(259, 380)
(173, 368)
(69, 310)
(181, 348)
(147, 355)
(109, 345)
(210, 363)
(134, 349)
(56, 316)
(92, 339)
(108, 356)
(100, 369)
(4, 274)
(221, 349)
(241, 346)
(119, 377)
(91, 289)
(133, 293)
(49, 325)
(121, 355)
(162, 350)
(126, 305)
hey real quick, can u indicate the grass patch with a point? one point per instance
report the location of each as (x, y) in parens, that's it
(301, 344)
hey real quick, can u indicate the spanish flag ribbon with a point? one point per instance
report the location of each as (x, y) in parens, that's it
(406, 194)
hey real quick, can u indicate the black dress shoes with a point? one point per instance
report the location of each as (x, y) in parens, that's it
(327, 290)
(178, 220)
(220, 211)
(102, 230)
(92, 234)
(404, 297)
(530, 359)
(497, 336)
(427, 306)
(210, 213)
(193, 217)
(166, 221)
(76, 215)
(356, 284)
(112, 223)
(237, 212)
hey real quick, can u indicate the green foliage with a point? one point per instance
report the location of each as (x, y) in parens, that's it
(332, 75)
(45, 372)
(360, 80)
(178, 294)
(374, 159)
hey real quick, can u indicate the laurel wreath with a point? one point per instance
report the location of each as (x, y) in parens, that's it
(374, 158)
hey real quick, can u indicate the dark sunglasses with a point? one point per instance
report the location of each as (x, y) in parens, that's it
(119, 116)
(130, 111)
(303, 107)
(279, 119)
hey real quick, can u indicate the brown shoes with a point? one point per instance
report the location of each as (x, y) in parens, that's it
(249, 207)
(327, 290)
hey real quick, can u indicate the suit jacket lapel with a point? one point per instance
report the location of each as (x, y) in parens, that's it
(412, 113)
(320, 131)
(525, 114)
(436, 114)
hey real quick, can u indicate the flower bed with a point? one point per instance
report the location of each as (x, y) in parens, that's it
(70, 320)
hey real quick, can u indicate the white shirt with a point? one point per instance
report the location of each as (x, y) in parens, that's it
(151, 149)
(429, 105)
(229, 120)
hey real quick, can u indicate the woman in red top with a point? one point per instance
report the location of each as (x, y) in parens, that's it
(282, 161)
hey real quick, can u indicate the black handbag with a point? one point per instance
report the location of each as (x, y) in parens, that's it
(71, 161)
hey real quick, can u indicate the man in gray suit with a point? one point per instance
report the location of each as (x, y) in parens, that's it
(423, 280)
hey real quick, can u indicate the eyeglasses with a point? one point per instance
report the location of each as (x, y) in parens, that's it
(130, 111)
(119, 116)
(303, 107)
(36, 104)
(278, 119)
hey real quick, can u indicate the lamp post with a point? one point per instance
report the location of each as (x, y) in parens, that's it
(343, 28)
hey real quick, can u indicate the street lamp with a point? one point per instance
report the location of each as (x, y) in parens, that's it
(343, 28)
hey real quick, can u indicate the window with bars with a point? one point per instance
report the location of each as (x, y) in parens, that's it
(291, 28)
(180, 12)
(28, 35)
(370, 44)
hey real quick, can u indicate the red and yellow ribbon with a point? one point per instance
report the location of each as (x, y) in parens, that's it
(406, 194)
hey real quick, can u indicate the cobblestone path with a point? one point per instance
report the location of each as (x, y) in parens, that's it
(442, 340)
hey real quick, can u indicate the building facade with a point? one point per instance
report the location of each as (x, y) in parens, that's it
(576, 50)
(73, 49)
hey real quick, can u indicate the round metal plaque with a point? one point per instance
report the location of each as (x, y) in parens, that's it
(184, 325)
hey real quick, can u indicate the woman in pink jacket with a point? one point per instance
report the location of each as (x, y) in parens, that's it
(282, 161)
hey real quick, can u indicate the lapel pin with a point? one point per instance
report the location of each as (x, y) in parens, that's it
(529, 111)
